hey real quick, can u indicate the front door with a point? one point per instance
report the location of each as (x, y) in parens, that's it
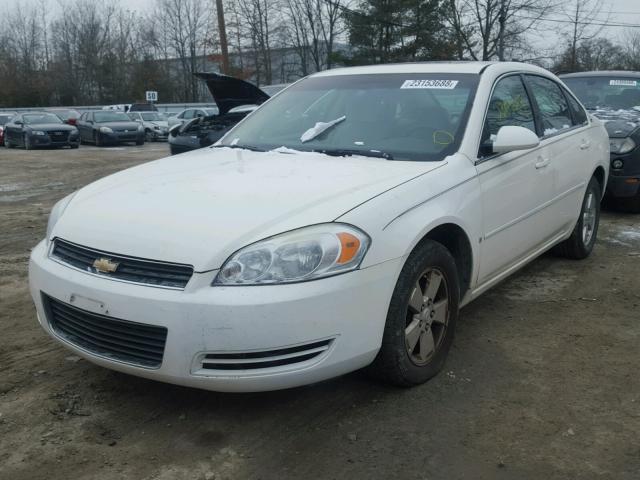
(515, 185)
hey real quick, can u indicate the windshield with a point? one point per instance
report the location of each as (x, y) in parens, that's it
(606, 92)
(36, 118)
(419, 117)
(103, 117)
(153, 117)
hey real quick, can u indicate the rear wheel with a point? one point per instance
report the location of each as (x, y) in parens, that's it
(580, 244)
(421, 320)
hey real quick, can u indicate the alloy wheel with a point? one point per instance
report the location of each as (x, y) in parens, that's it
(427, 316)
(589, 218)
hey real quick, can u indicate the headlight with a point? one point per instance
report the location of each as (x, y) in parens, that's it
(304, 254)
(105, 130)
(40, 133)
(56, 212)
(156, 127)
(621, 145)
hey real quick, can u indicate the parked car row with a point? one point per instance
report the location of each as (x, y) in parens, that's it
(70, 128)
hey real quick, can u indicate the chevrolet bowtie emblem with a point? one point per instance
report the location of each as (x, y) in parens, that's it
(105, 265)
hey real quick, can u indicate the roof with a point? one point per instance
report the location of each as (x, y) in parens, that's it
(601, 73)
(433, 67)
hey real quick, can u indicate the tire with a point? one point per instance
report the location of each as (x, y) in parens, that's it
(416, 315)
(580, 244)
(27, 143)
(74, 145)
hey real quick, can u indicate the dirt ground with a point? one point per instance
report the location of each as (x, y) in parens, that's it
(542, 381)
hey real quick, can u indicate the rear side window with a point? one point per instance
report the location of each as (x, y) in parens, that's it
(509, 106)
(579, 115)
(552, 104)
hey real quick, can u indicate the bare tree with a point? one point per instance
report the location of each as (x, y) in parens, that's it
(585, 24)
(481, 25)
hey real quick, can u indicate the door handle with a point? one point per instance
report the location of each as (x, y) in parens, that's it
(542, 162)
(585, 145)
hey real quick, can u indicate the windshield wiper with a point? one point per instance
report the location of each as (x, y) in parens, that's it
(241, 146)
(348, 152)
(319, 128)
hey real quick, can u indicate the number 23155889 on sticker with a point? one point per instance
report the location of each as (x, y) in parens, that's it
(439, 84)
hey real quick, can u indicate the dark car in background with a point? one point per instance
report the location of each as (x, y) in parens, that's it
(108, 127)
(4, 118)
(67, 115)
(235, 99)
(614, 98)
(39, 129)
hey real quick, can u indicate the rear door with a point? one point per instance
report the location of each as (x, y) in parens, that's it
(515, 185)
(565, 135)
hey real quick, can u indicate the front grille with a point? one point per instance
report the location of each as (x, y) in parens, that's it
(129, 269)
(122, 340)
(265, 359)
(59, 136)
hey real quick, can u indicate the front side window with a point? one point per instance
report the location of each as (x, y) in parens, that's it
(408, 116)
(553, 106)
(579, 115)
(187, 114)
(509, 106)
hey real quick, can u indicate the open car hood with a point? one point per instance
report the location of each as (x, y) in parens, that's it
(229, 92)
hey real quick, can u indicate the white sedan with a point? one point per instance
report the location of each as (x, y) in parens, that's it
(339, 226)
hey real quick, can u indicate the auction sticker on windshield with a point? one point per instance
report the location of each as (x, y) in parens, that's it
(623, 83)
(440, 84)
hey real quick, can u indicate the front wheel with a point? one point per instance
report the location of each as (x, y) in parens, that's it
(421, 319)
(580, 244)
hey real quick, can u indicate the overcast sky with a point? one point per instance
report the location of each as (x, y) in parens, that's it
(622, 11)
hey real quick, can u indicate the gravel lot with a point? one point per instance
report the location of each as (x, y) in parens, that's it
(542, 381)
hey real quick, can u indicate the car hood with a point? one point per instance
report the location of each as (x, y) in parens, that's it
(128, 125)
(230, 92)
(159, 123)
(619, 123)
(52, 126)
(200, 207)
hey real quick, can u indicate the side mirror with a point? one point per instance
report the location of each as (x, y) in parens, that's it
(512, 138)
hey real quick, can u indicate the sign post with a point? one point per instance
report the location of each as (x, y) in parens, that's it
(152, 96)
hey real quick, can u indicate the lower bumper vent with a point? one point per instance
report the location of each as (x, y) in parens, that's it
(130, 342)
(266, 358)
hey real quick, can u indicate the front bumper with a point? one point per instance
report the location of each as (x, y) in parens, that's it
(624, 182)
(122, 137)
(349, 309)
(49, 141)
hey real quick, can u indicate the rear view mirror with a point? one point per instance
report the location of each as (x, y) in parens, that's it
(512, 138)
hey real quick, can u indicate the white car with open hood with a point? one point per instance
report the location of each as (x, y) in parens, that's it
(339, 226)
